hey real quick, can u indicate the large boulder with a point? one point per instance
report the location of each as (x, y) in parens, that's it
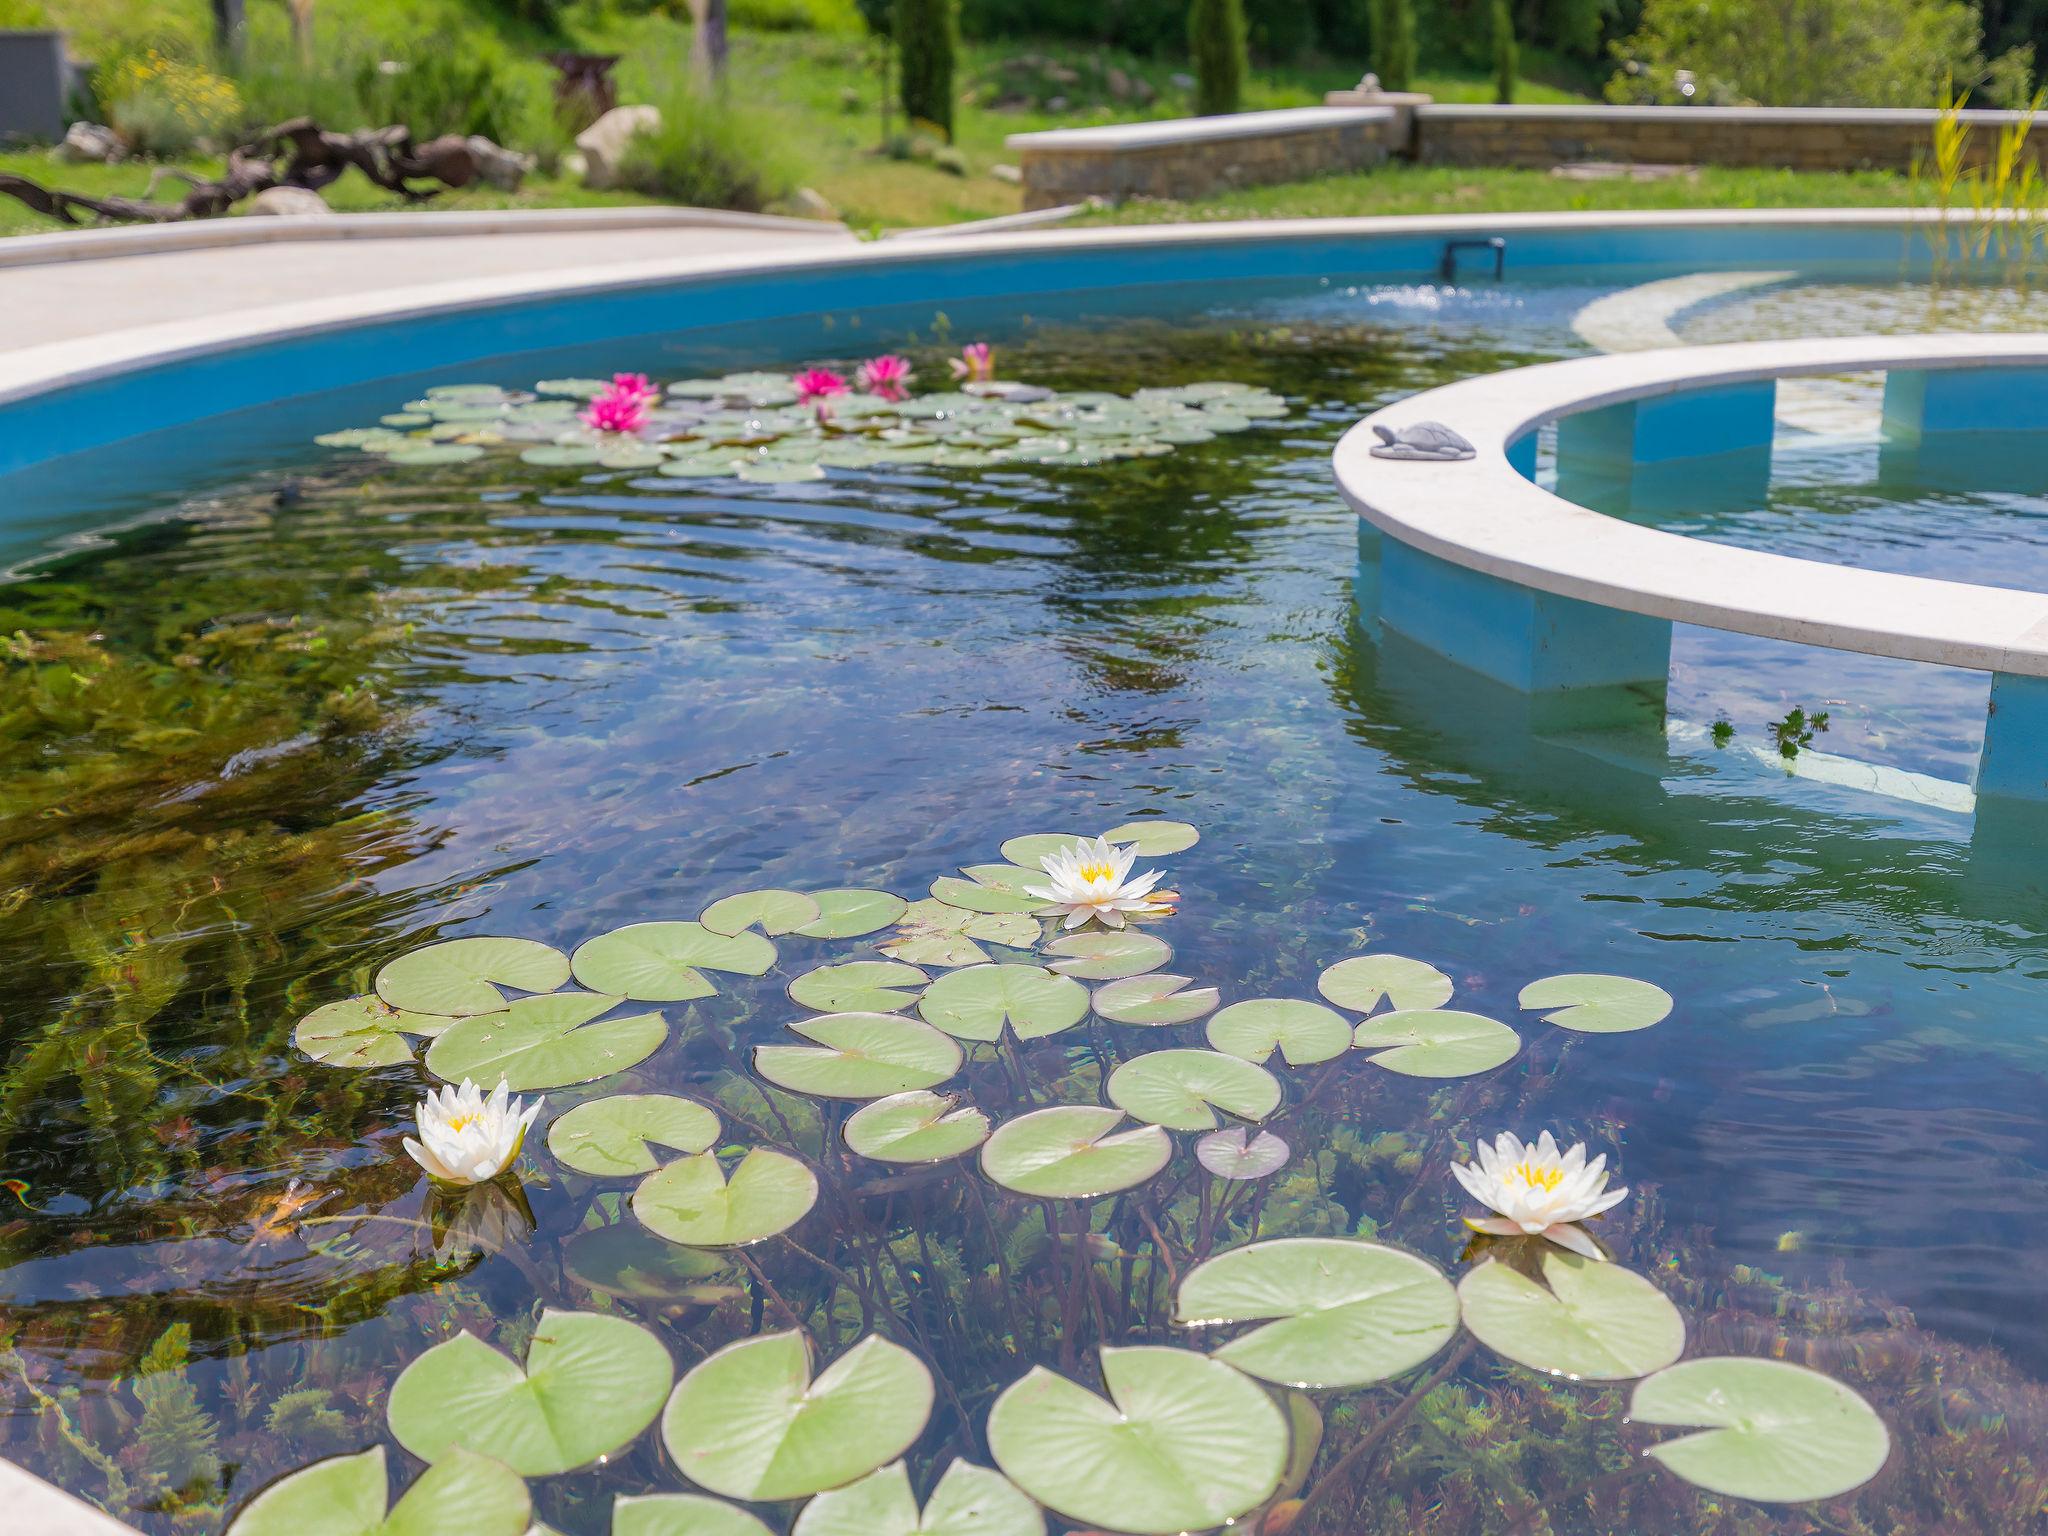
(90, 144)
(604, 142)
(289, 203)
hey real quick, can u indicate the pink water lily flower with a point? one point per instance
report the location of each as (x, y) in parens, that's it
(976, 363)
(887, 377)
(635, 384)
(622, 407)
(818, 384)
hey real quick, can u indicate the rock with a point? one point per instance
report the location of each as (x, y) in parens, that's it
(809, 203)
(604, 142)
(90, 144)
(503, 168)
(1182, 81)
(1009, 173)
(1056, 104)
(950, 160)
(1118, 82)
(573, 165)
(289, 203)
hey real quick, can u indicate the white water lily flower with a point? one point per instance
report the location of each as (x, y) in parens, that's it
(1092, 879)
(1537, 1192)
(466, 1138)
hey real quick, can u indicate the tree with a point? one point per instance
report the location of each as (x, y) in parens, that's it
(1506, 57)
(1216, 39)
(1393, 44)
(927, 36)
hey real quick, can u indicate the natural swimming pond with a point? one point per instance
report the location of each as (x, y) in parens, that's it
(310, 712)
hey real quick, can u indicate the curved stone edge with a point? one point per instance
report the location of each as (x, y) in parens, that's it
(1485, 516)
(34, 1506)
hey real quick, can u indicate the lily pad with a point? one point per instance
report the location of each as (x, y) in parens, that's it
(1303, 1033)
(1182, 1090)
(934, 933)
(560, 455)
(546, 1042)
(1156, 998)
(591, 1383)
(1108, 955)
(1342, 1313)
(456, 977)
(850, 912)
(691, 1202)
(1772, 1432)
(627, 1261)
(1595, 1322)
(364, 1032)
(751, 1422)
(616, 1137)
(1154, 839)
(1033, 848)
(1068, 1152)
(771, 911)
(1436, 1042)
(435, 453)
(1235, 1153)
(972, 896)
(346, 1496)
(859, 986)
(968, 1501)
(1183, 1443)
(860, 1056)
(1363, 982)
(977, 1002)
(916, 1127)
(681, 1514)
(1599, 1005)
(664, 962)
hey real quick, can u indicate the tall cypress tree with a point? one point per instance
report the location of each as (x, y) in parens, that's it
(927, 36)
(1507, 58)
(1393, 44)
(1216, 39)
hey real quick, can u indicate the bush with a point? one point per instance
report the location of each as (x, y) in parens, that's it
(447, 83)
(841, 16)
(1506, 57)
(710, 153)
(1393, 43)
(276, 86)
(1216, 42)
(926, 39)
(168, 109)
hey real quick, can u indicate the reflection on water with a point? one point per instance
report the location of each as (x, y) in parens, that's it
(253, 749)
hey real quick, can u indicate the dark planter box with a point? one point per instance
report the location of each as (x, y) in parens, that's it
(35, 80)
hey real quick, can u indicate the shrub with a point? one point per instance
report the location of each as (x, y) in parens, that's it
(1216, 41)
(710, 152)
(1393, 43)
(165, 108)
(1506, 57)
(447, 83)
(926, 39)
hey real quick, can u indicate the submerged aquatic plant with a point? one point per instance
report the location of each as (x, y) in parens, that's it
(466, 1138)
(1537, 1191)
(1092, 880)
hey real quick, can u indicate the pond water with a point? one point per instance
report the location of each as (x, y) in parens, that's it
(305, 712)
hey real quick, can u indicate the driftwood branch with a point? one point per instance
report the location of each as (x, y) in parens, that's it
(299, 153)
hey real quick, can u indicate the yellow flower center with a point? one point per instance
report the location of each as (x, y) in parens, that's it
(463, 1122)
(1096, 873)
(1539, 1178)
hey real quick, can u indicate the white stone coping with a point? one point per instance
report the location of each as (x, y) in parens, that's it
(1121, 138)
(254, 229)
(37, 1508)
(1905, 117)
(1482, 514)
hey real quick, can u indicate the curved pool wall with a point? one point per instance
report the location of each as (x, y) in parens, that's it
(74, 397)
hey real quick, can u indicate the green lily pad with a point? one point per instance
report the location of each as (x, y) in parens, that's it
(850, 912)
(560, 455)
(859, 986)
(703, 466)
(916, 1127)
(1183, 1443)
(629, 1262)
(1235, 1153)
(546, 1042)
(591, 1383)
(1596, 1322)
(580, 389)
(860, 1056)
(975, 1003)
(1033, 848)
(934, 933)
(616, 1137)
(1014, 878)
(772, 911)
(1365, 981)
(346, 1496)
(1772, 1432)
(691, 1202)
(363, 1032)
(1068, 1152)
(1154, 839)
(1436, 1042)
(751, 1422)
(783, 472)
(1600, 1005)
(456, 976)
(971, 896)
(664, 962)
(1338, 1312)
(435, 453)
(1303, 1033)
(630, 456)
(1182, 1090)
(968, 1501)
(1155, 998)
(1109, 955)
(681, 1514)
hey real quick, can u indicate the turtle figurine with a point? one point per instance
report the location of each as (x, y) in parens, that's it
(1421, 440)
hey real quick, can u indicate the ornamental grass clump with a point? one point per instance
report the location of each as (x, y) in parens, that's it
(710, 152)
